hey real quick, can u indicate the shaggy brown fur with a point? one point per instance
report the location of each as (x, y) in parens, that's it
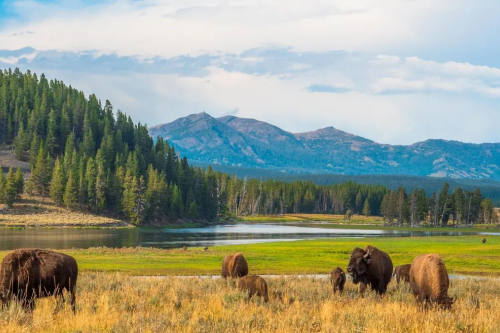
(234, 266)
(206, 248)
(255, 285)
(484, 240)
(29, 273)
(371, 267)
(402, 273)
(337, 279)
(429, 280)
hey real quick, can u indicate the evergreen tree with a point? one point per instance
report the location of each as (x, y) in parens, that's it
(19, 183)
(3, 182)
(71, 191)
(21, 145)
(90, 180)
(10, 188)
(57, 186)
(366, 208)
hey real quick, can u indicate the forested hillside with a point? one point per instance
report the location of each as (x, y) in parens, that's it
(86, 156)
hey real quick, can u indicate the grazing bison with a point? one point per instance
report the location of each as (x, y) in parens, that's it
(337, 279)
(370, 267)
(255, 285)
(29, 273)
(484, 240)
(206, 248)
(402, 273)
(234, 266)
(429, 280)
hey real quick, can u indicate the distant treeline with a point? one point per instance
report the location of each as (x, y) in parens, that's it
(86, 157)
(489, 188)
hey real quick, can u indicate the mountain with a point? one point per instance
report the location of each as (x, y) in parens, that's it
(249, 143)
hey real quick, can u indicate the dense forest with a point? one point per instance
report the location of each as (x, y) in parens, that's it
(87, 157)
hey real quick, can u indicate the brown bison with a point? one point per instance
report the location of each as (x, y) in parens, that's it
(337, 279)
(29, 273)
(402, 273)
(255, 285)
(206, 248)
(429, 280)
(234, 266)
(484, 240)
(370, 267)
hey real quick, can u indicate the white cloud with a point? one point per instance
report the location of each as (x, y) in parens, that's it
(454, 68)
(170, 28)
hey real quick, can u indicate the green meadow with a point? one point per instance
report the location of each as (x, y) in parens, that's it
(462, 255)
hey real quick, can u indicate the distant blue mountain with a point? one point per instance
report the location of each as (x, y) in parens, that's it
(249, 143)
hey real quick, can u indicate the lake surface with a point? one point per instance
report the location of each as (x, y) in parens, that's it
(190, 237)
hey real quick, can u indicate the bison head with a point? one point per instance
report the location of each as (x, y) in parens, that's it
(358, 265)
(445, 302)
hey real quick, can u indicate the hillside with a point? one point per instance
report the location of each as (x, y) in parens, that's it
(249, 143)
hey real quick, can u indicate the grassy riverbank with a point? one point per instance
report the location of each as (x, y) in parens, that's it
(463, 255)
(118, 303)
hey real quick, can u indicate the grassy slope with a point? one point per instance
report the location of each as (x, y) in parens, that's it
(35, 212)
(464, 254)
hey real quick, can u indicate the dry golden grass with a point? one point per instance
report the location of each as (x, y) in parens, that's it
(118, 303)
(35, 212)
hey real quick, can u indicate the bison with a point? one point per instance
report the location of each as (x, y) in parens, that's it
(255, 285)
(234, 266)
(429, 280)
(29, 273)
(484, 240)
(402, 273)
(337, 279)
(206, 248)
(370, 267)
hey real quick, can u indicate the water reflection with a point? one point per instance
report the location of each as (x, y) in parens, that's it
(209, 236)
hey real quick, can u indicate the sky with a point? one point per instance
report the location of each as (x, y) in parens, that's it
(393, 71)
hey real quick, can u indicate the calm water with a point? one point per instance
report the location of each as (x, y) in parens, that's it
(215, 235)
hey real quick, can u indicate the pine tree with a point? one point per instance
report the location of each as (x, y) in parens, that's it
(100, 187)
(10, 188)
(71, 192)
(21, 144)
(57, 185)
(40, 176)
(19, 183)
(366, 208)
(51, 132)
(2, 186)
(90, 180)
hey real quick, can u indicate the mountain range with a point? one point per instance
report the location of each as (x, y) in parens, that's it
(249, 143)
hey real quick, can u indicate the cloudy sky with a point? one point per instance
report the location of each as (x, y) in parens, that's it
(394, 71)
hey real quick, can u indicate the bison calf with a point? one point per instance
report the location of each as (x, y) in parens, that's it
(255, 285)
(337, 279)
(234, 266)
(29, 273)
(402, 273)
(429, 280)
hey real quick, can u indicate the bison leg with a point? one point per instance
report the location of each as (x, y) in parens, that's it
(362, 288)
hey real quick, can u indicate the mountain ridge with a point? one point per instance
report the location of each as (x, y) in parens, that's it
(251, 143)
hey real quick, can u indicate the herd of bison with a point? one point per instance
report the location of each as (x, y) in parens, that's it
(27, 274)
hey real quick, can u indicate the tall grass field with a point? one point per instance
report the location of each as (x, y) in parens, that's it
(121, 303)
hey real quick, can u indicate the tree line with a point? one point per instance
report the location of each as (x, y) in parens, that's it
(86, 156)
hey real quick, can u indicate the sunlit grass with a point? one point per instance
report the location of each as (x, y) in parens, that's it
(463, 255)
(119, 303)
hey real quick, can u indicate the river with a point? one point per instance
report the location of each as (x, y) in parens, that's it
(67, 238)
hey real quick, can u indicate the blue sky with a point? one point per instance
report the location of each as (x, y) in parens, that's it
(394, 71)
